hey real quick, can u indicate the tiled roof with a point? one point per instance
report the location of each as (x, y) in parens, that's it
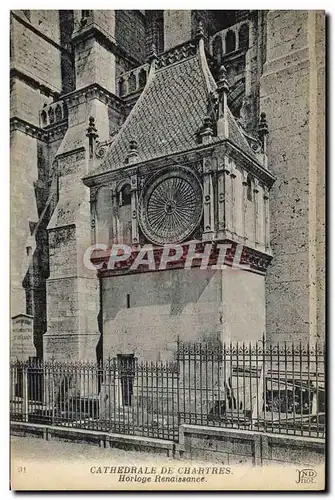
(168, 116)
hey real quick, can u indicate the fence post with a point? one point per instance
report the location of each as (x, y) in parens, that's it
(25, 393)
(52, 395)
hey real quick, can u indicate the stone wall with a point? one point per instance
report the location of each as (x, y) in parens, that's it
(130, 33)
(238, 447)
(40, 68)
(177, 27)
(94, 64)
(24, 173)
(293, 99)
(193, 304)
(42, 63)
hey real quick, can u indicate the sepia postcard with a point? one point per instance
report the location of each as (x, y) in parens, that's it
(167, 184)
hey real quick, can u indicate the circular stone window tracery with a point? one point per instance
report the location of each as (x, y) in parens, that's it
(170, 206)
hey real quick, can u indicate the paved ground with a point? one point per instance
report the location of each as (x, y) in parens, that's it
(37, 464)
(29, 448)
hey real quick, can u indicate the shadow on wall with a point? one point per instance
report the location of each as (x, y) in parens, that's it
(67, 67)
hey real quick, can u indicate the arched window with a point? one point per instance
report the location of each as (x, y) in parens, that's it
(230, 42)
(124, 215)
(217, 50)
(84, 16)
(249, 188)
(243, 37)
(44, 118)
(103, 208)
(142, 78)
(51, 115)
(121, 88)
(65, 111)
(125, 196)
(58, 113)
(132, 83)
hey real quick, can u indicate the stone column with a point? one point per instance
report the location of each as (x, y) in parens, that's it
(256, 213)
(93, 205)
(221, 197)
(244, 204)
(266, 219)
(227, 196)
(114, 211)
(134, 223)
(208, 199)
(223, 39)
(232, 186)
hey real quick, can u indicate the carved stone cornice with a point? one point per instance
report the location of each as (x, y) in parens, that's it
(17, 123)
(251, 166)
(219, 149)
(94, 91)
(251, 260)
(176, 54)
(52, 134)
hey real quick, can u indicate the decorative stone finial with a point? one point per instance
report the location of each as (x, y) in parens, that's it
(263, 128)
(222, 84)
(263, 131)
(133, 145)
(206, 131)
(92, 130)
(222, 90)
(92, 134)
(153, 53)
(133, 151)
(200, 31)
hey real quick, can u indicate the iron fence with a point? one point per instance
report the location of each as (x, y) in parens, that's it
(121, 395)
(278, 389)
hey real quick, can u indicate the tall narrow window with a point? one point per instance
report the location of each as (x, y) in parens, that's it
(51, 115)
(243, 37)
(128, 301)
(230, 42)
(121, 87)
(104, 216)
(249, 188)
(142, 78)
(65, 110)
(43, 118)
(217, 50)
(124, 214)
(84, 16)
(132, 83)
(125, 196)
(58, 113)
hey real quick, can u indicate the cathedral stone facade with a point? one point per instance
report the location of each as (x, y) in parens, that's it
(155, 128)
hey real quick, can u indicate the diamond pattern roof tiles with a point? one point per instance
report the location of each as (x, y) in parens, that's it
(167, 117)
